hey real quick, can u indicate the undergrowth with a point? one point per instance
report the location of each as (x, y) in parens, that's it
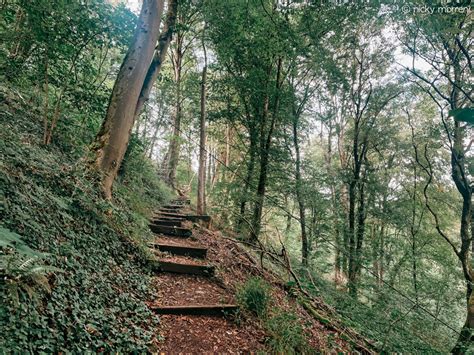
(285, 332)
(73, 266)
(254, 296)
(390, 321)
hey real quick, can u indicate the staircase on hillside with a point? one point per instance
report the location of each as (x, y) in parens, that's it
(181, 256)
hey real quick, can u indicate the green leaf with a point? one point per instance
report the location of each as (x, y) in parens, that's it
(463, 114)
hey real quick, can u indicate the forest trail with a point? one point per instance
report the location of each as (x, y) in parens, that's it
(199, 272)
(195, 307)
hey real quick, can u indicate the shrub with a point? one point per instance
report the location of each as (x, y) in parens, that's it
(254, 296)
(286, 334)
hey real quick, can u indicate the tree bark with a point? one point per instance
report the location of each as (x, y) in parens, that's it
(112, 140)
(265, 143)
(201, 195)
(164, 41)
(175, 139)
(299, 194)
(248, 177)
(459, 176)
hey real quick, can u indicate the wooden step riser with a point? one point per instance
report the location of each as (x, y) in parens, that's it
(192, 218)
(182, 250)
(197, 218)
(172, 207)
(168, 210)
(180, 202)
(202, 270)
(212, 310)
(173, 231)
(168, 214)
(165, 223)
(167, 218)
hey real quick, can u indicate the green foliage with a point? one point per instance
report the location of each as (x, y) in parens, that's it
(138, 173)
(287, 335)
(463, 114)
(60, 53)
(97, 302)
(254, 295)
(388, 319)
(21, 268)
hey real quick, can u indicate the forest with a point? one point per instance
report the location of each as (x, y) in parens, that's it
(237, 176)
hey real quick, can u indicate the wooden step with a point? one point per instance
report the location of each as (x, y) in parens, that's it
(175, 215)
(168, 210)
(192, 218)
(196, 252)
(171, 215)
(170, 230)
(168, 218)
(183, 268)
(167, 222)
(204, 310)
(181, 201)
(196, 218)
(172, 207)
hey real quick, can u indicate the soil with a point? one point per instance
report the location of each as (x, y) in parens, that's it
(191, 242)
(190, 289)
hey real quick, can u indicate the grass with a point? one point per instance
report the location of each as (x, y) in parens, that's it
(285, 332)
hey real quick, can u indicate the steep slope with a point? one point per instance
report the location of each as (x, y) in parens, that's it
(73, 271)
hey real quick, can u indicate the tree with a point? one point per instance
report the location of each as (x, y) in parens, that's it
(160, 54)
(443, 41)
(201, 193)
(112, 140)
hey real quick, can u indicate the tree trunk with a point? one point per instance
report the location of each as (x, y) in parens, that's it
(466, 338)
(299, 195)
(160, 54)
(361, 216)
(262, 179)
(250, 167)
(112, 140)
(248, 177)
(175, 139)
(353, 186)
(201, 195)
(265, 143)
(351, 237)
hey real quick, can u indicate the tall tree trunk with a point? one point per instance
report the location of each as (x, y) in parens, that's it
(413, 233)
(351, 237)
(164, 41)
(175, 139)
(464, 187)
(248, 178)
(201, 195)
(299, 194)
(361, 216)
(46, 98)
(112, 140)
(265, 143)
(227, 151)
(353, 186)
(262, 179)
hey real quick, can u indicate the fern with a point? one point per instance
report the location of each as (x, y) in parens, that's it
(22, 268)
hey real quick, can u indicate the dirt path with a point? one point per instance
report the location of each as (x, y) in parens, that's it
(211, 280)
(197, 333)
